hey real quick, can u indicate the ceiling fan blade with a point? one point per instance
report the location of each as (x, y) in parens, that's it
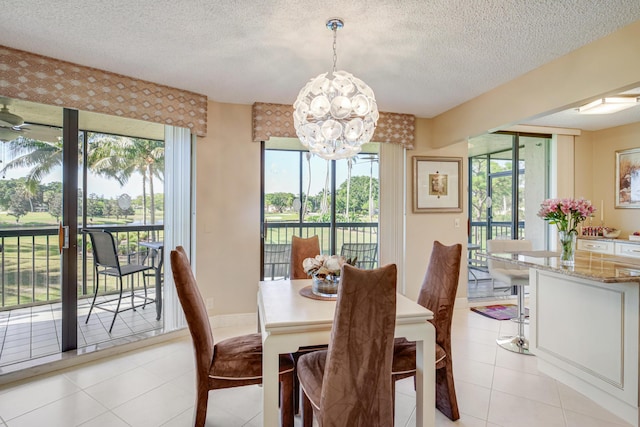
(8, 134)
(41, 132)
(9, 119)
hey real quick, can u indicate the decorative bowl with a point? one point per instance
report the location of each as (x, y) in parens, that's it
(611, 233)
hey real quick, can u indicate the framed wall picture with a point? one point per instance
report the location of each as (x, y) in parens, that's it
(628, 178)
(437, 184)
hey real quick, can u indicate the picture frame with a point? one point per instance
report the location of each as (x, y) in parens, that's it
(437, 184)
(627, 179)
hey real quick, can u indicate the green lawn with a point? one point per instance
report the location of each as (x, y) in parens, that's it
(44, 219)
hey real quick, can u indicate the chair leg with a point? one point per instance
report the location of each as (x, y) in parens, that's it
(393, 396)
(132, 284)
(96, 283)
(144, 284)
(307, 411)
(296, 394)
(446, 400)
(200, 411)
(115, 314)
(286, 399)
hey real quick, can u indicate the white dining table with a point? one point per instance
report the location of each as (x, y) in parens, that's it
(289, 320)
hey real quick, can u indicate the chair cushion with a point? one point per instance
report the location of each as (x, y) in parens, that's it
(240, 358)
(125, 269)
(404, 356)
(513, 277)
(310, 372)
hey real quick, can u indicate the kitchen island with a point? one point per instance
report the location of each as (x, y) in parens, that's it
(584, 324)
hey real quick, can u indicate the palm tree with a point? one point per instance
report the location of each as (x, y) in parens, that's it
(306, 198)
(122, 157)
(41, 156)
(110, 156)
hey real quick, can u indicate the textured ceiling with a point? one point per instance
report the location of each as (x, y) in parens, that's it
(420, 57)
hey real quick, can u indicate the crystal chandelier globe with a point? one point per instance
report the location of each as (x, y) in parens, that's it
(334, 116)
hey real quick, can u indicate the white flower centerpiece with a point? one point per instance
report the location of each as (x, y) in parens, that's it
(325, 271)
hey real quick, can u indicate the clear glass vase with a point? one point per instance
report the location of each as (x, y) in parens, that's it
(568, 241)
(326, 286)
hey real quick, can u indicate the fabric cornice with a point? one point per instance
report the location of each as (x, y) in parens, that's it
(50, 81)
(276, 120)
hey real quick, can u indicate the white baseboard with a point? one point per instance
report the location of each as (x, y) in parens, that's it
(461, 303)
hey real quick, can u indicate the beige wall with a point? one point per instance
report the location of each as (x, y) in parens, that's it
(424, 228)
(228, 211)
(584, 170)
(603, 146)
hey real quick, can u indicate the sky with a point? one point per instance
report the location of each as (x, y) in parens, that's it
(282, 172)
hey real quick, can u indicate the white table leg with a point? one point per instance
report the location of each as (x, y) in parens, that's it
(426, 378)
(270, 368)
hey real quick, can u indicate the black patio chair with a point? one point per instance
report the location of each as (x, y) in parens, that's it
(107, 263)
(365, 254)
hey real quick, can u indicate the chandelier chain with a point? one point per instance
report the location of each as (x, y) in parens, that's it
(334, 28)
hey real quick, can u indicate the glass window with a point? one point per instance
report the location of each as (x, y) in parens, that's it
(305, 195)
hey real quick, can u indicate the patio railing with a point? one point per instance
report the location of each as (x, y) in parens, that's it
(30, 262)
(478, 235)
(278, 239)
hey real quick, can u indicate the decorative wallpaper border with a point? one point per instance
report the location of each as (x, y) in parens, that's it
(37, 78)
(277, 120)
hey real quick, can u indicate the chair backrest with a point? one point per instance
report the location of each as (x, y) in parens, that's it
(356, 388)
(366, 254)
(300, 249)
(105, 253)
(195, 311)
(506, 245)
(439, 287)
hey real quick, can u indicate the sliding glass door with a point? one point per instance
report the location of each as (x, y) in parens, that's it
(507, 181)
(62, 171)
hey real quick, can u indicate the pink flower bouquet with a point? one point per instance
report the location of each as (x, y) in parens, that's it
(566, 214)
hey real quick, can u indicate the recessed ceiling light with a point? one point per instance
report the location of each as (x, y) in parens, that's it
(608, 105)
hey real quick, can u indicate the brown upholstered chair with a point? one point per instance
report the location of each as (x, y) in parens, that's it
(233, 362)
(438, 294)
(350, 383)
(300, 249)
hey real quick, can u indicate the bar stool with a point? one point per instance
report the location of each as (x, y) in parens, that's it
(513, 276)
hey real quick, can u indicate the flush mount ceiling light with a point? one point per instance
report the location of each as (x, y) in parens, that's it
(608, 105)
(334, 117)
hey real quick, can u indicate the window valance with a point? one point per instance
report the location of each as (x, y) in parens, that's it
(51, 81)
(277, 120)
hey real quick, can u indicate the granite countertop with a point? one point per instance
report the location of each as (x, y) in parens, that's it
(606, 239)
(588, 265)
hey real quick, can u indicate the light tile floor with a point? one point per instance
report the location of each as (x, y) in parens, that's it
(154, 386)
(481, 287)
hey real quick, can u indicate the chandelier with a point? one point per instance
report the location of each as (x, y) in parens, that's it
(334, 117)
